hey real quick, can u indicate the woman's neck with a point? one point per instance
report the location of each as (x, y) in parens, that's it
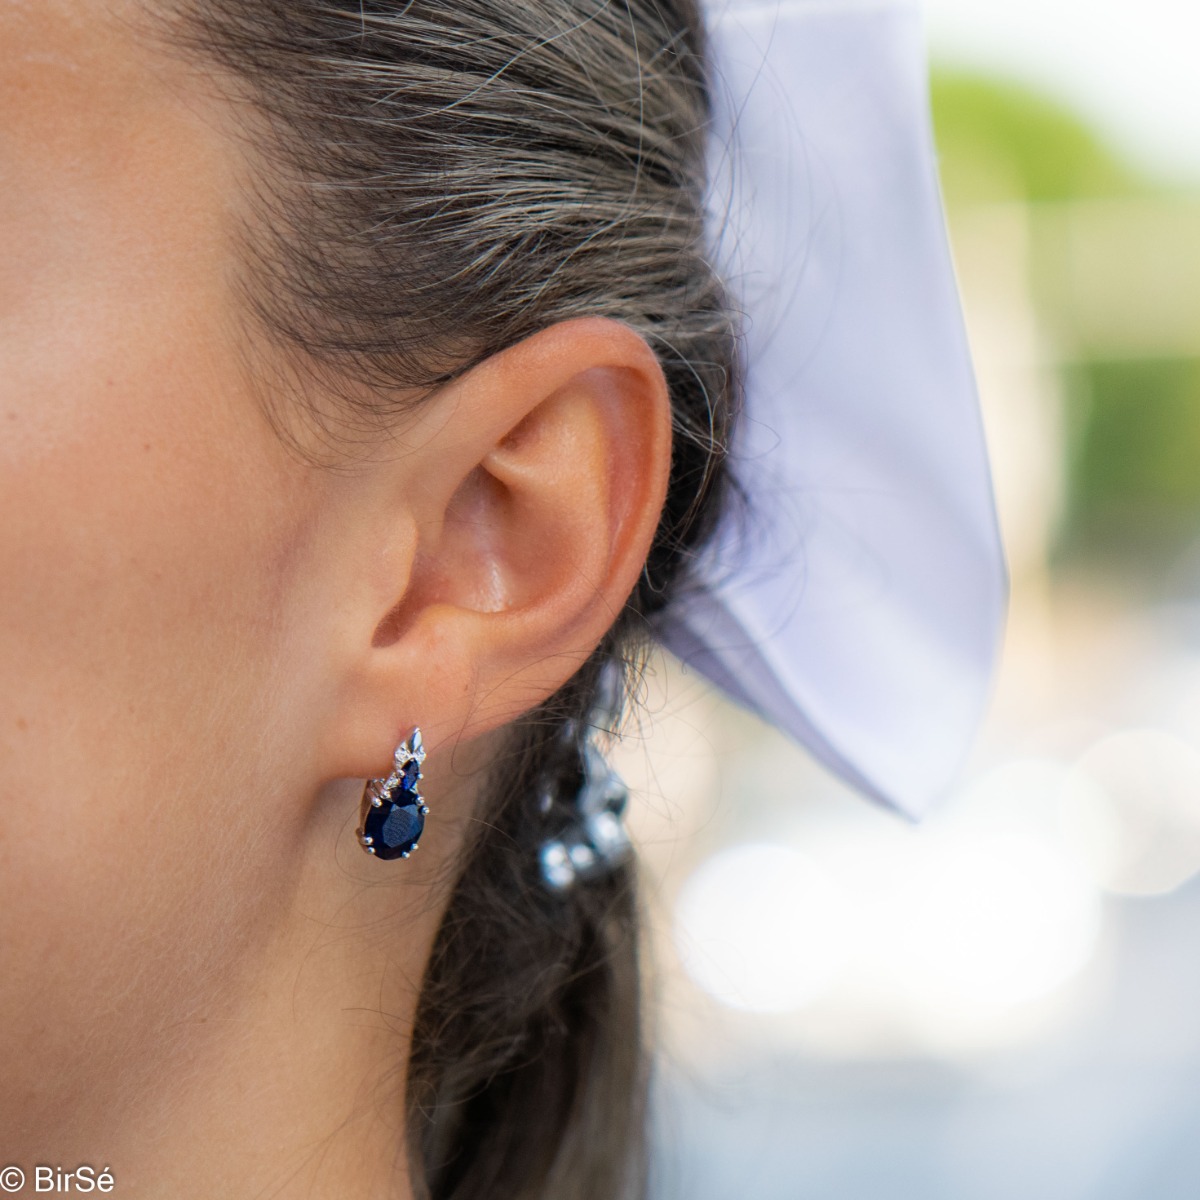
(286, 1076)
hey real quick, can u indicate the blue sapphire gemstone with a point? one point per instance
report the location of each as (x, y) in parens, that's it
(396, 824)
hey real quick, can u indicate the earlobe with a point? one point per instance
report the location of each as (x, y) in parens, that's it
(535, 503)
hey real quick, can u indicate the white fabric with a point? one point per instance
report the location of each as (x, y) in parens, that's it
(857, 600)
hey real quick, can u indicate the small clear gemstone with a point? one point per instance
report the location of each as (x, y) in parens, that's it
(607, 834)
(582, 856)
(557, 870)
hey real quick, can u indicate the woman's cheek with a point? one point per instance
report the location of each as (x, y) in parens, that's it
(152, 530)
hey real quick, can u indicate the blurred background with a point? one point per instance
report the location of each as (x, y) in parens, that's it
(1005, 1001)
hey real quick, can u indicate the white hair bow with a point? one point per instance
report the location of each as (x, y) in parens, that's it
(858, 603)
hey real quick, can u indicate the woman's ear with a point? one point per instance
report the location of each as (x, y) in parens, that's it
(529, 495)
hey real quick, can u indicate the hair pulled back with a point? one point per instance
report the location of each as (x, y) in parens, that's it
(444, 180)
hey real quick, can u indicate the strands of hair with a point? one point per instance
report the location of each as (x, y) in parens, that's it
(438, 182)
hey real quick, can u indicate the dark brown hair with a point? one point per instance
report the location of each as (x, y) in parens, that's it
(445, 179)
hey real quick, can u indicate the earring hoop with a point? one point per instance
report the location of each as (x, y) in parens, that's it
(393, 810)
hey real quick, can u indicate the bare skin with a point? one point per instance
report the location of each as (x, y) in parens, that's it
(208, 643)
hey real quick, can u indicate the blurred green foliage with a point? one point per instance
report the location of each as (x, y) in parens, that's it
(999, 141)
(1134, 437)
(1132, 424)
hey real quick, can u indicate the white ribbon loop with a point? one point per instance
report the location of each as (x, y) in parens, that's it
(858, 603)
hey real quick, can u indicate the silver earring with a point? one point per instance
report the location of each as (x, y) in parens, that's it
(594, 842)
(591, 841)
(393, 812)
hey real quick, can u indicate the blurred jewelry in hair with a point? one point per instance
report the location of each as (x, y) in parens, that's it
(589, 839)
(393, 810)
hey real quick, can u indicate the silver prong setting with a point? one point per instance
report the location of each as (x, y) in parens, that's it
(412, 749)
(393, 809)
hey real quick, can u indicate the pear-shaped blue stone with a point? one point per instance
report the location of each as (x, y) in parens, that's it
(396, 824)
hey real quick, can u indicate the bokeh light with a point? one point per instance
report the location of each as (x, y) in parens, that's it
(942, 931)
(762, 928)
(1132, 810)
(990, 922)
